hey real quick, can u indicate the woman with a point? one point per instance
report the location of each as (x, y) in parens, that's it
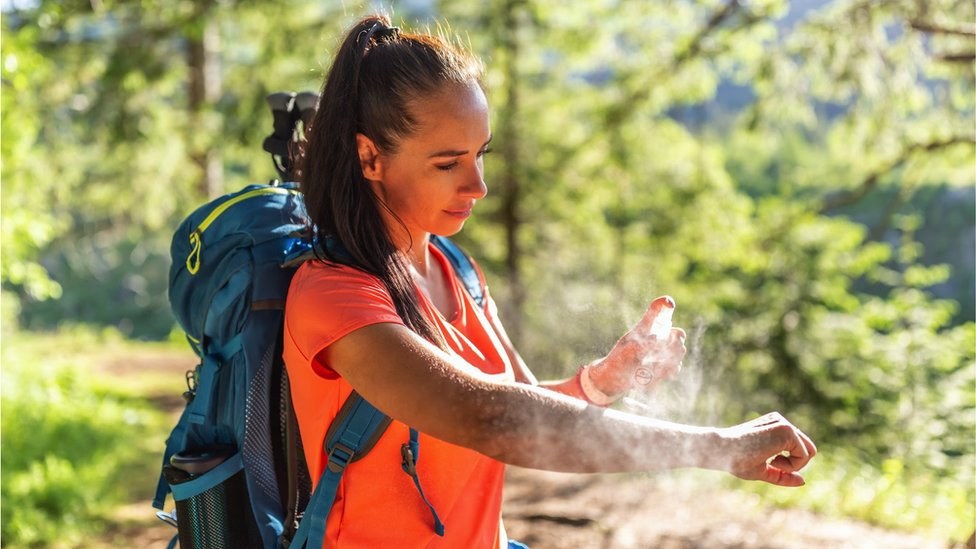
(393, 156)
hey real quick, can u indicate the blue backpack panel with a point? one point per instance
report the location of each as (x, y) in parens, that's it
(227, 290)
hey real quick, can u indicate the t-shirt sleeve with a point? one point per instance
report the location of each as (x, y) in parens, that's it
(326, 303)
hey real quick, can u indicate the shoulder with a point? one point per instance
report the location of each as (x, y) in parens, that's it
(316, 277)
(327, 301)
(321, 289)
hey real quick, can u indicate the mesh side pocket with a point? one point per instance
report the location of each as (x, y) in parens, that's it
(217, 517)
(259, 451)
(303, 480)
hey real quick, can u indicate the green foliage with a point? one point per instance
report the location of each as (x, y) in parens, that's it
(817, 236)
(65, 440)
(27, 179)
(101, 163)
(889, 492)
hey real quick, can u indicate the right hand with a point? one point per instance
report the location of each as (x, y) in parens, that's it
(768, 448)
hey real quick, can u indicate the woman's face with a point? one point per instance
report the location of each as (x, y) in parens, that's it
(436, 175)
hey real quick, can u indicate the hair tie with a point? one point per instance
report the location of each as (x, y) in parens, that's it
(390, 33)
(378, 32)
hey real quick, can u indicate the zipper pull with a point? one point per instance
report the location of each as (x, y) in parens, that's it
(193, 260)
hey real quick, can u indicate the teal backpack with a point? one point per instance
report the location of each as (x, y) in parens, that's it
(234, 462)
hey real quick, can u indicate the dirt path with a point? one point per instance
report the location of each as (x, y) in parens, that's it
(555, 511)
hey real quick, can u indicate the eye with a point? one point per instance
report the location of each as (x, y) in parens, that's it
(484, 151)
(447, 167)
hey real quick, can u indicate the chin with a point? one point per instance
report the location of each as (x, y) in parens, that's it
(448, 231)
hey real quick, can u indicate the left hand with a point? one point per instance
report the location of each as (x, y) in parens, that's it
(639, 351)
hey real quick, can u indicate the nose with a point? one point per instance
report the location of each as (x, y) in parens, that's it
(474, 183)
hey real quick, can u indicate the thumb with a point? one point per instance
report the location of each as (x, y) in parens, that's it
(657, 306)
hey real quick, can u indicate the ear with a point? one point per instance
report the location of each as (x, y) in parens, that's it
(369, 158)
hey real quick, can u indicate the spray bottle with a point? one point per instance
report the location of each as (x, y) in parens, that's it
(661, 332)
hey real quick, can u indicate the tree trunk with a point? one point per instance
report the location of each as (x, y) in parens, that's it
(510, 183)
(204, 90)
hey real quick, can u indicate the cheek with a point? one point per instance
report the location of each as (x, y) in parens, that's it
(408, 200)
(396, 188)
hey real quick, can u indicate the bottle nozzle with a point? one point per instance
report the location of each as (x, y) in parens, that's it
(661, 328)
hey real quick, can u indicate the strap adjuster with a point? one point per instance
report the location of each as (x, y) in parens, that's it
(409, 463)
(339, 457)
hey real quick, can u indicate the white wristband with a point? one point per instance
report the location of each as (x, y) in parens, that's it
(590, 391)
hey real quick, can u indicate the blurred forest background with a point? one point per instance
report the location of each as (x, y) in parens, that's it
(799, 175)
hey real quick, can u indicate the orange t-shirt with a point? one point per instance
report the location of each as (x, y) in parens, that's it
(377, 504)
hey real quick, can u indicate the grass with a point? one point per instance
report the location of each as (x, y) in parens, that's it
(78, 441)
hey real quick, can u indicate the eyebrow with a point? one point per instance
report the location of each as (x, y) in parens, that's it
(451, 152)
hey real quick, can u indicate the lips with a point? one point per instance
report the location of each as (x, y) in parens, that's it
(461, 213)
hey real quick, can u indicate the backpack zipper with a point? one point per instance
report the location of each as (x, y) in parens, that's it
(193, 260)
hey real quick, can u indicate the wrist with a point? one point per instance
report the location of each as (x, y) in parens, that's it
(714, 450)
(612, 376)
(591, 393)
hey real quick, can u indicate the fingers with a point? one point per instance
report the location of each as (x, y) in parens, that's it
(668, 364)
(799, 453)
(783, 463)
(658, 371)
(782, 471)
(779, 477)
(807, 443)
(793, 441)
(676, 344)
(659, 357)
(777, 451)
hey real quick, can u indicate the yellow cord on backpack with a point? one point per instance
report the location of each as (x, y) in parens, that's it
(193, 260)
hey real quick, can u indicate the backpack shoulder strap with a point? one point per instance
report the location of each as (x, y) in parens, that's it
(354, 430)
(464, 268)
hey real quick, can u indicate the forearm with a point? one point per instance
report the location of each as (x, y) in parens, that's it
(534, 427)
(440, 394)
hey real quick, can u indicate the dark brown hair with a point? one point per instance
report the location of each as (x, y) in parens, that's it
(377, 73)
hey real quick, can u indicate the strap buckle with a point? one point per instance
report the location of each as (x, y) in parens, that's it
(191, 386)
(339, 461)
(409, 462)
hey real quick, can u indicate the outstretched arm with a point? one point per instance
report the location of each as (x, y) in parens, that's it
(415, 382)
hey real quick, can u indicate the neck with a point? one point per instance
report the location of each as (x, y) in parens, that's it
(411, 243)
(413, 246)
(418, 254)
